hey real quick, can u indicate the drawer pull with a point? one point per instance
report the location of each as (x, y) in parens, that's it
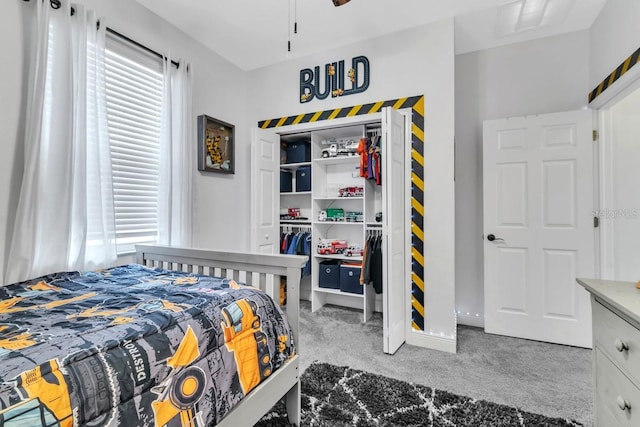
(621, 345)
(623, 404)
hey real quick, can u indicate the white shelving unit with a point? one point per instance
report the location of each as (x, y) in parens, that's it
(328, 176)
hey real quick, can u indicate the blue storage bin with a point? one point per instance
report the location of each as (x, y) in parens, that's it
(298, 152)
(329, 274)
(303, 178)
(286, 182)
(350, 279)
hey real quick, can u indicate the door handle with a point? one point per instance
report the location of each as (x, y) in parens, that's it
(493, 238)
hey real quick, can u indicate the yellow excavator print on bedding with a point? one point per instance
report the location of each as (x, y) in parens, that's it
(244, 337)
(182, 389)
(46, 399)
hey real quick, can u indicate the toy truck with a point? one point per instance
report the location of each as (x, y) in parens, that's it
(332, 247)
(340, 149)
(353, 191)
(352, 216)
(292, 214)
(354, 251)
(331, 214)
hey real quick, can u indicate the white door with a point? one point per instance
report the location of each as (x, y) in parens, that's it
(265, 181)
(393, 232)
(538, 226)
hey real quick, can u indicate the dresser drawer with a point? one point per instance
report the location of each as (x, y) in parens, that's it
(618, 339)
(604, 418)
(613, 390)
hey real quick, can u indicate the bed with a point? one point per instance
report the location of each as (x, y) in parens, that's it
(182, 338)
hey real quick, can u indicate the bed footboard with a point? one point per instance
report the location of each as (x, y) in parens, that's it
(262, 271)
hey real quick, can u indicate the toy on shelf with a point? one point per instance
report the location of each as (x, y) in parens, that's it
(353, 191)
(352, 216)
(354, 251)
(292, 214)
(340, 148)
(331, 214)
(332, 247)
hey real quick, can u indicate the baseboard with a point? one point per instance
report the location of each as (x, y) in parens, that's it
(421, 339)
(469, 320)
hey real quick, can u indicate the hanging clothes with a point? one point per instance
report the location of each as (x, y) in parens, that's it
(363, 151)
(364, 262)
(377, 160)
(297, 244)
(306, 249)
(291, 250)
(374, 167)
(372, 262)
(285, 239)
(376, 265)
(370, 165)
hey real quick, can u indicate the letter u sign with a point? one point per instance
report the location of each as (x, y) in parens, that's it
(332, 79)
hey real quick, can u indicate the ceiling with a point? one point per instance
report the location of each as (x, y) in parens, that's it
(254, 33)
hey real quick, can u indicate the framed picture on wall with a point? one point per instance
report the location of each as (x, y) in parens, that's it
(216, 145)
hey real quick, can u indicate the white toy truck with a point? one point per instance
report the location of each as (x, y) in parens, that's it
(340, 149)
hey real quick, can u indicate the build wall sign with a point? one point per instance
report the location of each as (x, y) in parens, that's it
(335, 79)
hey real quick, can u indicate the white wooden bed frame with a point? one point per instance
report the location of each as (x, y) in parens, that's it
(259, 270)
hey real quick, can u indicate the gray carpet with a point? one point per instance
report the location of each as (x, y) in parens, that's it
(548, 379)
(338, 396)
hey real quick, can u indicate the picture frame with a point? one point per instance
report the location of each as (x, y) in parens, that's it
(216, 145)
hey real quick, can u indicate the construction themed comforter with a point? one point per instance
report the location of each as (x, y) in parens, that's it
(133, 346)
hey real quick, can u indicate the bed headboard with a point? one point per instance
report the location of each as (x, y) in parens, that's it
(255, 269)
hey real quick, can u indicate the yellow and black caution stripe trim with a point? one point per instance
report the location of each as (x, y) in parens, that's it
(417, 215)
(615, 75)
(416, 103)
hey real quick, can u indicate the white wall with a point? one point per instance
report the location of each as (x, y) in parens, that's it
(620, 215)
(614, 36)
(219, 91)
(419, 61)
(540, 76)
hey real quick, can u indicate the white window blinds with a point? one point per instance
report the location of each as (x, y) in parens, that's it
(134, 84)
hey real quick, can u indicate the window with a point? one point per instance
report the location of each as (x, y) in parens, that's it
(134, 86)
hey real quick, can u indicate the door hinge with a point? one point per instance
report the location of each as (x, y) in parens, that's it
(596, 222)
(595, 135)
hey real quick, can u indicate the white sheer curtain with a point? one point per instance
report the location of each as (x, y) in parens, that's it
(176, 157)
(64, 219)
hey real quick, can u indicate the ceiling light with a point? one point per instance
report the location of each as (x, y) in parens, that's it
(340, 2)
(522, 15)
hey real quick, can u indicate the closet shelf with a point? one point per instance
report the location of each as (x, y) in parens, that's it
(339, 198)
(293, 166)
(340, 257)
(296, 193)
(352, 223)
(339, 160)
(307, 223)
(337, 292)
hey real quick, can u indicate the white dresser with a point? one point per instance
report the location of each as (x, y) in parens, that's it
(616, 351)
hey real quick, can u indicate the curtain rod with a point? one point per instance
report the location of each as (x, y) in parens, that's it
(140, 45)
(57, 5)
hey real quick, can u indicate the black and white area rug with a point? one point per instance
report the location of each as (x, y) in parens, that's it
(335, 396)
